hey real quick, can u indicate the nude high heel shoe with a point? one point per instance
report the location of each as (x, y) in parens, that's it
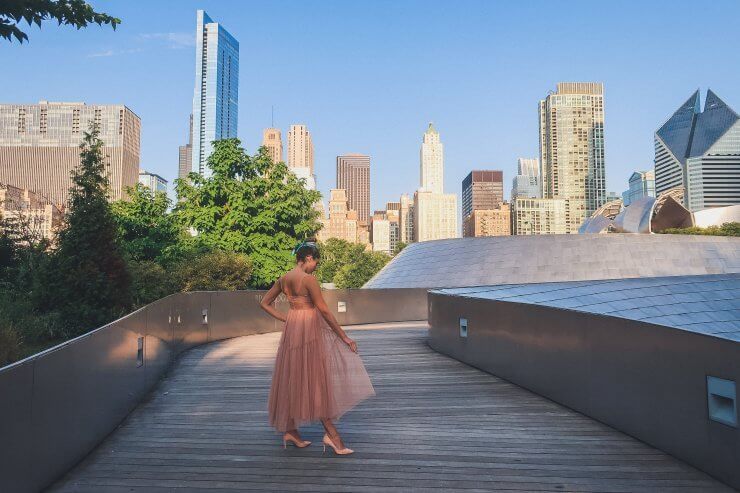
(339, 451)
(300, 444)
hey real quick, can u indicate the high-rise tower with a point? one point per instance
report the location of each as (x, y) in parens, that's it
(700, 151)
(432, 161)
(353, 175)
(572, 149)
(300, 154)
(272, 139)
(216, 98)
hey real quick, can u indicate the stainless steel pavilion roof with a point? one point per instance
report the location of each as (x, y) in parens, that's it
(549, 258)
(707, 304)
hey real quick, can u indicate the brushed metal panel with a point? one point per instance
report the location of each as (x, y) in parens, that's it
(234, 313)
(81, 392)
(191, 331)
(16, 429)
(646, 380)
(376, 306)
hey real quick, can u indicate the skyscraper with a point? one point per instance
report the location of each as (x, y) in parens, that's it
(431, 160)
(700, 151)
(528, 166)
(216, 98)
(272, 139)
(40, 146)
(152, 181)
(353, 174)
(572, 149)
(482, 190)
(300, 154)
(341, 222)
(526, 183)
(406, 219)
(641, 184)
(186, 155)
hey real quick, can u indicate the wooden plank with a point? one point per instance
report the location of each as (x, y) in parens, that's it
(436, 424)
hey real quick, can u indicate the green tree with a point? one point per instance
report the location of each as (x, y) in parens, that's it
(214, 271)
(86, 280)
(727, 229)
(399, 246)
(150, 282)
(77, 13)
(249, 205)
(146, 229)
(357, 273)
(335, 254)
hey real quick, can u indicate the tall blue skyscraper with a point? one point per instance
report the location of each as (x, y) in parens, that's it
(216, 98)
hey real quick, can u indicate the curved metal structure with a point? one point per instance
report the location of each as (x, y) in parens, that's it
(549, 258)
(601, 220)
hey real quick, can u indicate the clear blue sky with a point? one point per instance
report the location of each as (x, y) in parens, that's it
(368, 76)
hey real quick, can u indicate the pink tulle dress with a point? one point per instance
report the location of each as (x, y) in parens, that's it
(316, 374)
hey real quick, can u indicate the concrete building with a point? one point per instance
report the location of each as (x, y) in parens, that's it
(393, 214)
(435, 213)
(700, 151)
(272, 139)
(641, 184)
(539, 216)
(435, 216)
(406, 219)
(488, 222)
(31, 216)
(300, 154)
(152, 181)
(185, 157)
(380, 233)
(431, 161)
(216, 97)
(341, 221)
(482, 190)
(353, 175)
(572, 149)
(40, 146)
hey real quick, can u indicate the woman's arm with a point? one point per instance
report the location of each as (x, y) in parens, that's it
(266, 303)
(318, 300)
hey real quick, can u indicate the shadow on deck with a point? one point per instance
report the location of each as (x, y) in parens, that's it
(436, 423)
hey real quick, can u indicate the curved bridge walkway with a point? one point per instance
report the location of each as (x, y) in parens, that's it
(435, 425)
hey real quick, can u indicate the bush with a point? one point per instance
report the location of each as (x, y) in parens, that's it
(149, 282)
(214, 271)
(356, 274)
(10, 345)
(727, 229)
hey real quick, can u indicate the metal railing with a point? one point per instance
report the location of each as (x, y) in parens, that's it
(56, 406)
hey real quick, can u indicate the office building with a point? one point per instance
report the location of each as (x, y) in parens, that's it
(435, 213)
(353, 175)
(393, 215)
(700, 151)
(406, 219)
(435, 216)
(380, 233)
(300, 154)
(216, 97)
(272, 139)
(539, 216)
(40, 146)
(525, 186)
(482, 190)
(185, 158)
(641, 184)
(528, 166)
(572, 149)
(341, 222)
(488, 222)
(152, 181)
(30, 216)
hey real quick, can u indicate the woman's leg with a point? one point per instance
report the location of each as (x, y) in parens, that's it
(331, 430)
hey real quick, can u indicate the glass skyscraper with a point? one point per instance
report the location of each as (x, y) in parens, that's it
(216, 98)
(700, 151)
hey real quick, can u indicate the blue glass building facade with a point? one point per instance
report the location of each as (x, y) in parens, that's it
(216, 96)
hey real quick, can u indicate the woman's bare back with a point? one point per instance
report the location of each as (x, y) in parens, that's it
(292, 283)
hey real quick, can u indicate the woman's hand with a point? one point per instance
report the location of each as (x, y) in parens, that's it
(352, 344)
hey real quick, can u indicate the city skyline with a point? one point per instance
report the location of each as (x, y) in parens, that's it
(157, 52)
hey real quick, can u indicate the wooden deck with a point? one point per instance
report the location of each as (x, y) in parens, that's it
(435, 425)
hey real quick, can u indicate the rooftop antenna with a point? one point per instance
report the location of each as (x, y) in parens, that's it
(272, 119)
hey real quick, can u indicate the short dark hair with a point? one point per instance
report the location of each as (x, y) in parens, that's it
(307, 249)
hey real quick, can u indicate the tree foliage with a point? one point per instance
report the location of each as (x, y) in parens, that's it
(399, 247)
(357, 273)
(146, 230)
(77, 13)
(86, 278)
(336, 253)
(214, 271)
(727, 229)
(249, 205)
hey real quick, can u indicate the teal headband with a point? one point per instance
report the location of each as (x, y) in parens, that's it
(301, 245)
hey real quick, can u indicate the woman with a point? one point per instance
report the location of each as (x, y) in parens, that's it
(318, 374)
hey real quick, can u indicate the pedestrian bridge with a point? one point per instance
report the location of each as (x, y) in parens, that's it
(624, 384)
(435, 425)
